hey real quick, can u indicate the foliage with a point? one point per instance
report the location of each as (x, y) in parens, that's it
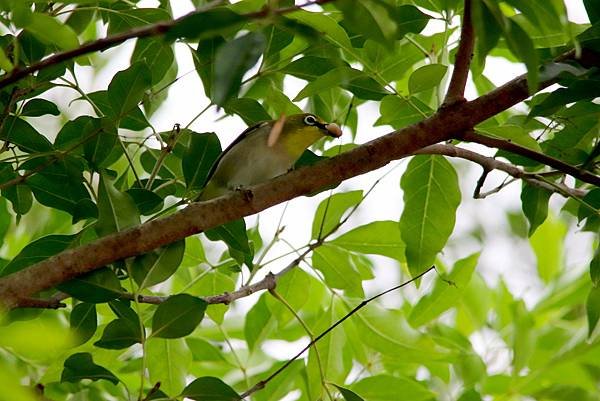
(143, 328)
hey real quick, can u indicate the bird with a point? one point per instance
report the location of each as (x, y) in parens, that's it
(264, 151)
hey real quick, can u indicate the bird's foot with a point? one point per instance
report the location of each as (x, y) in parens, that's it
(248, 195)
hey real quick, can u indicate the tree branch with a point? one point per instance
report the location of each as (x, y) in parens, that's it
(156, 29)
(458, 82)
(489, 164)
(445, 124)
(583, 175)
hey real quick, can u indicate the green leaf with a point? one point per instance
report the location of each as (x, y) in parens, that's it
(5, 62)
(331, 210)
(369, 18)
(75, 133)
(535, 205)
(522, 46)
(99, 147)
(431, 197)
(426, 77)
(203, 350)
(524, 336)
(81, 366)
(204, 60)
(124, 19)
(212, 283)
(168, 363)
(277, 40)
(595, 268)
(39, 107)
(133, 119)
(446, 293)
(582, 88)
(127, 88)
(592, 7)
(216, 21)
(51, 31)
(325, 24)
(83, 322)
(5, 223)
(234, 234)
(487, 29)
(19, 195)
(178, 316)
(170, 167)
(120, 334)
(248, 109)
(202, 152)
(258, 324)
(311, 67)
(385, 388)
(547, 243)
(158, 265)
(357, 82)
(592, 306)
(514, 133)
(19, 132)
(399, 112)
(292, 287)
(378, 237)
(592, 199)
(146, 201)
(80, 20)
(338, 269)
(409, 19)
(157, 55)
(98, 286)
(348, 394)
(232, 60)
(60, 185)
(334, 360)
(209, 389)
(36, 251)
(116, 210)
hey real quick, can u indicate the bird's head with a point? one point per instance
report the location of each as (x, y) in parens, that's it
(298, 131)
(307, 123)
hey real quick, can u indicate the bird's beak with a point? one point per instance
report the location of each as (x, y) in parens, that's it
(333, 130)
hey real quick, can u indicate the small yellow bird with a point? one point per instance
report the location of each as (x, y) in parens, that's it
(264, 151)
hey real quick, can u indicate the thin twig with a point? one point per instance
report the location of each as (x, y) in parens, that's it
(159, 28)
(583, 175)
(490, 164)
(261, 384)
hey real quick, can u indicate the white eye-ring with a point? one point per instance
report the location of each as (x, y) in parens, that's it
(310, 120)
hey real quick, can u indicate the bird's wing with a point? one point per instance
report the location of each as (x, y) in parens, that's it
(243, 135)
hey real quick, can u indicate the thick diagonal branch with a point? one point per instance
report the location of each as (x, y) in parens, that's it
(458, 82)
(445, 124)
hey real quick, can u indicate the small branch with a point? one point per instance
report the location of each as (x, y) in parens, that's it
(152, 391)
(261, 384)
(458, 82)
(512, 147)
(159, 28)
(490, 164)
(480, 182)
(55, 302)
(505, 183)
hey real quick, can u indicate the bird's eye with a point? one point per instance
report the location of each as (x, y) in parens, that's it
(310, 120)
